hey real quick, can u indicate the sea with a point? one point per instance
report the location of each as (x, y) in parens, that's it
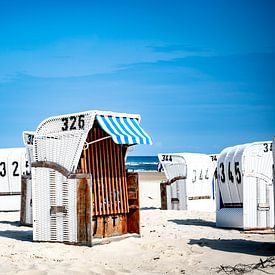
(142, 163)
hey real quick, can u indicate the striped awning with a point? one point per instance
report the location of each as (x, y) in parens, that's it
(123, 130)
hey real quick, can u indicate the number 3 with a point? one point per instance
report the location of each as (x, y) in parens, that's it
(4, 171)
(222, 172)
(66, 126)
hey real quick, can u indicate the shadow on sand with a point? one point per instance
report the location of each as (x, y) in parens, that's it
(149, 208)
(25, 236)
(238, 246)
(16, 223)
(21, 235)
(197, 222)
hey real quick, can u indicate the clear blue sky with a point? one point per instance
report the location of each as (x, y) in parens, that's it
(200, 73)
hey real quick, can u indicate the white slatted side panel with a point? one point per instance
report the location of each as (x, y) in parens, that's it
(64, 190)
(41, 204)
(71, 230)
(250, 202)
(258, 193)
(52, 189)
(178, 198)
(169, 196)
(54, 198)
(29, 214)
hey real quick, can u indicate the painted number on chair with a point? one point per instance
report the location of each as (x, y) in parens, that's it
(213, 157)
(15, 168)
(166, 158)
(232, 172)
(30, 139)
(73, 123)
(3, 170)
(267, 147)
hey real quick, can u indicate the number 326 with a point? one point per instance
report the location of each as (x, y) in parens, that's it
(73, 123)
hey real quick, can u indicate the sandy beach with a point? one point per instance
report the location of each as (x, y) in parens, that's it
(171, 242)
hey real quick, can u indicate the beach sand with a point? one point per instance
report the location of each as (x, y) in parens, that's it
(171, 242)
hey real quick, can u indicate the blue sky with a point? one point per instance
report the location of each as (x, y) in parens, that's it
(200, 73)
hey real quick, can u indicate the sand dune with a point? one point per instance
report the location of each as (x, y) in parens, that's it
(171, 242)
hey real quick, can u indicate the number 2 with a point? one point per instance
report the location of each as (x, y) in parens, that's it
(15, 173)
(73, 120)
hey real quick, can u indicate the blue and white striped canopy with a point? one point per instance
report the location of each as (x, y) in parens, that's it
(123, 130)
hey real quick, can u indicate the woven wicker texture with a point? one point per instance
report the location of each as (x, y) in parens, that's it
(63, 147)
(50, 191)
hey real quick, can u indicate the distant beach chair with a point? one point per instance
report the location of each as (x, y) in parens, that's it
(13, 165)
(245, 197)
(190, 181)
